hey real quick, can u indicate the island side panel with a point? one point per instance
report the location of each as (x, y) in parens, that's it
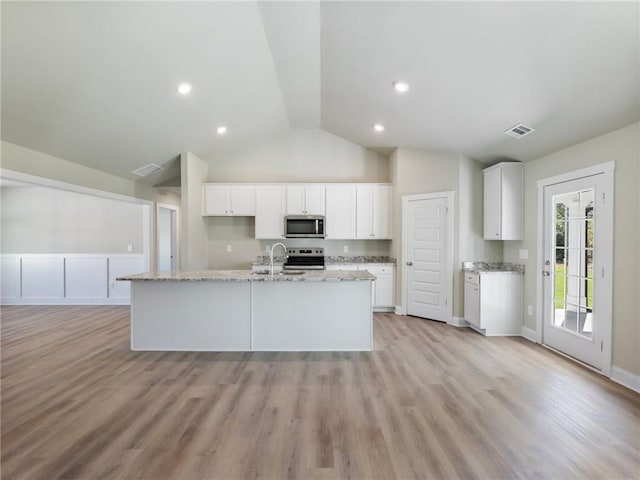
(195, 316)
(312, 316)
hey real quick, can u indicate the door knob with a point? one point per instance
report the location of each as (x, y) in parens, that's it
(545, 273)
(409, 263)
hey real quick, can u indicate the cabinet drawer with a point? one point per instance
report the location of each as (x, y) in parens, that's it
(472, 277)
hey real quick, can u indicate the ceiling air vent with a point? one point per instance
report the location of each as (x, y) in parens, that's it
(147, 170)
(519, 131)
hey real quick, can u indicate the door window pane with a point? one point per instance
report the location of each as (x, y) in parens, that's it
(573, 270)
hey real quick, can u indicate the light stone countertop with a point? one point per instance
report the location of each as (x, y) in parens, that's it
(248, 276)
(492, 267)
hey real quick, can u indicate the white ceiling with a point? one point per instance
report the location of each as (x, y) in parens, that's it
(95, 82)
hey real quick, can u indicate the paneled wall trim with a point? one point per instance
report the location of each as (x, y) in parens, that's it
(66, 279)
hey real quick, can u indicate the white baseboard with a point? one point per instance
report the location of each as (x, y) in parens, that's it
(65, 301)
(458, 322)
(399, 310)
(530, 335)
(625, 378)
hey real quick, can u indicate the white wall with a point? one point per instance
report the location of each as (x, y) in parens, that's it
(47, 220)
(623, 147)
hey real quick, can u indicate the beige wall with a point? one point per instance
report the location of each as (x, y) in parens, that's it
(415, 172)
(302, 155)
(19, 159)
(623, 147)
(193, 242)
(47, 220)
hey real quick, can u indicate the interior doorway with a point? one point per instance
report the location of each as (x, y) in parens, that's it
(427, 255)
(167, 238)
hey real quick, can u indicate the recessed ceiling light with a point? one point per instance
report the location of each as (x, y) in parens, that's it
(378, 127)
(221, 130)
(401, 87)
(184, 88)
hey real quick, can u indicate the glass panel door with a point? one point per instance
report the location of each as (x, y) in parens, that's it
(576, 313)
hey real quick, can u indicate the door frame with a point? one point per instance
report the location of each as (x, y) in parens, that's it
(404, 272)
(607, 169)
(176, 233)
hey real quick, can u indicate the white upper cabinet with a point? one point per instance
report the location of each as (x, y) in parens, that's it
(374, 204)
(305, 199)
(228, 200)
(270, 211)
(340, 213)
(503, 202)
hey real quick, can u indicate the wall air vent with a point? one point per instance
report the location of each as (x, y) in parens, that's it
(519, 131)
(147, 170)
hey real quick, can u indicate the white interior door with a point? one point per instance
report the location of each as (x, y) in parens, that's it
(577, 268)
(167, 239)
(428, 256)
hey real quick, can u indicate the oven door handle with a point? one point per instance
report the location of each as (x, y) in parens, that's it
(316, 226)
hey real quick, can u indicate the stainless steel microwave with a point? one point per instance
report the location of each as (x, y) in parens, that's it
(304, 226)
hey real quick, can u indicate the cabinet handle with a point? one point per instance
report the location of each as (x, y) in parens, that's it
(231, 211)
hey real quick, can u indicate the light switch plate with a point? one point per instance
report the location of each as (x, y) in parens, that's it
(530, 310)
(267, 248)
(345, 249)
(129, 248)
(524, 254)
(228, 248)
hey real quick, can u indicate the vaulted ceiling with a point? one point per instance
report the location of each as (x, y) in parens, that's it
(95, 82)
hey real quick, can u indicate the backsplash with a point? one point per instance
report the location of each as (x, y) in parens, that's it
(336, 259)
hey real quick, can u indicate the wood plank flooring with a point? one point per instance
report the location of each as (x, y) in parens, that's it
(432, 401)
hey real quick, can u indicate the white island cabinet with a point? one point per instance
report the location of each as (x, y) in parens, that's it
(236, 310)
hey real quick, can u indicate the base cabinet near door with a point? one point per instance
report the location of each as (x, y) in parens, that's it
(383, 288)
(493, 302)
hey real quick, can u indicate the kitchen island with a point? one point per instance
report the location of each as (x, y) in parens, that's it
(237, 310)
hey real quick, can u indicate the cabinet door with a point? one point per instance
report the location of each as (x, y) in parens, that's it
(216, 200)
(384, 290)
(492, 204)
(270, 211)
(472, 303)
(341, 211)
(295, 200)
(243, 200)
(314, 200)
(382, 208)
(364, 216)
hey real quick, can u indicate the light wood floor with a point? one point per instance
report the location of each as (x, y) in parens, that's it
(431, 401)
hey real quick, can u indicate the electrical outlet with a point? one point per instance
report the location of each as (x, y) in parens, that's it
(267, 248)
(129, 248)
(345, 249)
(524, 254)
(530, 310)
(228, 248)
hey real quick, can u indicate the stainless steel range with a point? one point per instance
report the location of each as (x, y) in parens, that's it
(308, 258)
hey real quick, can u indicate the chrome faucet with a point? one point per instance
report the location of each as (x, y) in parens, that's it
(273, 247)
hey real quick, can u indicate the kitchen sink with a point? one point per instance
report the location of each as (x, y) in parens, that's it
(284, 272)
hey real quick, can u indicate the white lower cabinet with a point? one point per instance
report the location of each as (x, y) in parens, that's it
(383, 289)
(493, 302)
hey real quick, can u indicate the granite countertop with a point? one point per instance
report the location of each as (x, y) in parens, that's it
(335, 260)
(492, 267)
(248, 276)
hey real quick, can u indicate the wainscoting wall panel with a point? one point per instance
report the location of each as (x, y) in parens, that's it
(67, 279)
